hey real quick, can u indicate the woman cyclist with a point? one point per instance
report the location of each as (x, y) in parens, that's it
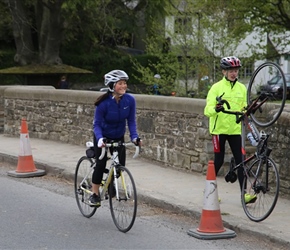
(113, 111)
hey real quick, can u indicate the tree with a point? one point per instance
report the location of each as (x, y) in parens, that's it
(271, 17)
(209, 30)
(191, 34)
(159, 59)
(37, 30)
(41, 27)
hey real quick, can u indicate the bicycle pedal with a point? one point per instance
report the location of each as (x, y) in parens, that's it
(80, 192)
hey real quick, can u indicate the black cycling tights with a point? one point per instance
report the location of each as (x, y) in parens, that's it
(101, 164)
(235, 143)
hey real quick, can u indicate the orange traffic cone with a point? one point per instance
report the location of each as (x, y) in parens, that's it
(25, 166)
(211, 225)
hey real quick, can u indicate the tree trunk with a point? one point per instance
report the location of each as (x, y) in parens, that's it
(25, 53)
(48, 26)
(50, 32)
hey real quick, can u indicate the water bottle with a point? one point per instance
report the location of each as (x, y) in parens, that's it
(105, 177)
(254, 131)
(252, 139)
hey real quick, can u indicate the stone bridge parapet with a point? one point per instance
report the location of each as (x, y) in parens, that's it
(173, 129)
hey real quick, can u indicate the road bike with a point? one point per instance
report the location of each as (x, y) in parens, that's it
(261, 176)
(118, 185)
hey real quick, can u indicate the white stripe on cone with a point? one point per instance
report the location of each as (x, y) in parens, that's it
(210, 201)
(24, 148)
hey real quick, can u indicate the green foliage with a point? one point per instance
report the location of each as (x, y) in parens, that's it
(92, 23)
(102, 60)
(181, 60)
(93, 29)
(239, 17)
(204, 31)
(146, 66)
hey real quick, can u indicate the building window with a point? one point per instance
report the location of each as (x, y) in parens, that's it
(247, 70)
(183, 25)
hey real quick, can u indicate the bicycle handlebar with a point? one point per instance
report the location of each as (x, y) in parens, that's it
(117, 144)
(250, 109)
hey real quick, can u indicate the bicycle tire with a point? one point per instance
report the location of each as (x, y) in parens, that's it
(124, 209)
(266, 197)
(271, 110)
(83, 167)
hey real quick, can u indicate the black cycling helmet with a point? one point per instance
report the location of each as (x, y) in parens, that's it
(114, 76)
(230, 62)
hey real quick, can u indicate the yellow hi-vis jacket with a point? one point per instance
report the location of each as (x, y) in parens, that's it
(236, 95)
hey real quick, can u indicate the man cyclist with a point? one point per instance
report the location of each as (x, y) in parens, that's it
(222, 126)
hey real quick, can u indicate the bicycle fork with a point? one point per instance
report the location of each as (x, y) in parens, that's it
(118, 174)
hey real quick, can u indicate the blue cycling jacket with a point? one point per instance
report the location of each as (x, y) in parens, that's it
(111, 117)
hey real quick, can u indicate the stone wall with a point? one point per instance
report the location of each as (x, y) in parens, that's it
(174, 130)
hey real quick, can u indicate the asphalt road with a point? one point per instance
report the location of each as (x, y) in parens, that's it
(41, 213)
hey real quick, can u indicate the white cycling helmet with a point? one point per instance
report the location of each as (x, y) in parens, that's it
(114, 76)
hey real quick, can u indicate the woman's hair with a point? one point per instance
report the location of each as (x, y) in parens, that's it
(102, 98)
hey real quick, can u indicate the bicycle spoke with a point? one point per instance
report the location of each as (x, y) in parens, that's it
(123, 200)
(268, 80)
(83, 186)
(263, 184)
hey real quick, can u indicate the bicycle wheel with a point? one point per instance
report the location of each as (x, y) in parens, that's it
(83, 168)
(269, 80)
(123, 200)
(265, 185)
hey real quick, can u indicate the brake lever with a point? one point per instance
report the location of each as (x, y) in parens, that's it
(222, 102)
